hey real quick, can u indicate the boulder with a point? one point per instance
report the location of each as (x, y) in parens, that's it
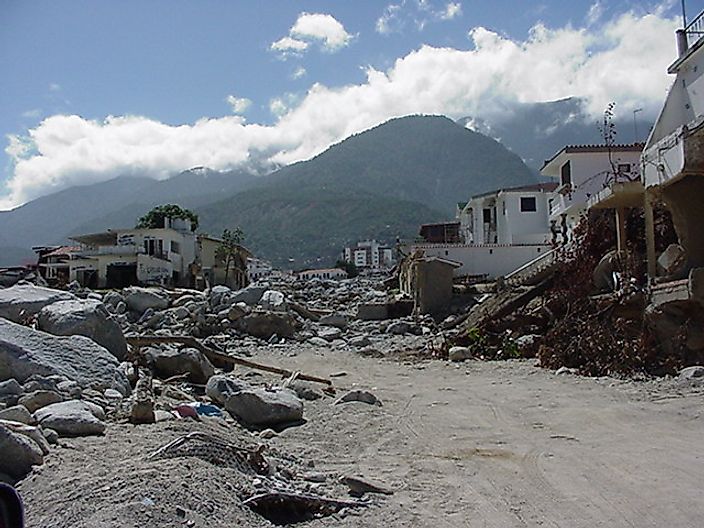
(318, 341)
(335, 319)
(17, 413)
(10, 388)
(459, 353)
(251, 295)
(72, 418)
(19, 453)
(27, 298)
(266, 324)
(690, 373)
(306, 391)
(219, 388)
(25, 352)
(265, 407)
(398, 328)
(34, 401)
(237, 311)
(273, 300)
(87, 318)
(167, 362)
(33, 433)
(360, 341)
(140, 299)
(329, 333)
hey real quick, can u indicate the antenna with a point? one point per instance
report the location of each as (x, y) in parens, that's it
(684, 15)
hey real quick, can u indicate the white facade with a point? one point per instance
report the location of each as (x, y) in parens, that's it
(508, 216)
(258, 269)
(582, 172)
(327, 274)
(151, 256)
(369, 254)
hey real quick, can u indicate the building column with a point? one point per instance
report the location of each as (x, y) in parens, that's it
(650, 234)
(621, 229)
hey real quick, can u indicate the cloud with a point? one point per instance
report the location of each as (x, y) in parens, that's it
(452, 10)
(54, 87)
(33, 113)
(298, 73)
(622, 60)
(323, 29)
(239, 105)
(397, 16)
(596, 11)
(289, 46)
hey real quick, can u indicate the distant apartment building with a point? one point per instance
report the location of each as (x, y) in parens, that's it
(369, 254)
(258, 269)
(53, 263)
(327, 274)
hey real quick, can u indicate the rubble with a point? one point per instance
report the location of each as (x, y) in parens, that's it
(25, 299)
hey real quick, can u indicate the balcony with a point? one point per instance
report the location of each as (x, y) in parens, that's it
(695, 30)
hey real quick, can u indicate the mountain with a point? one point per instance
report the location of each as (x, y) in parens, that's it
(536, 131)
(425, 159)
(114, 203)
(381, 183)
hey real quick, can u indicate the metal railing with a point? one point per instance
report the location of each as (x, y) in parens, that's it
(695, 29)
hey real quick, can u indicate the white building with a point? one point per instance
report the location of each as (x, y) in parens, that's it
(369, 254)
(258, 269)
(327, 273)
(117, 258)
(500, 231)
(581, 172)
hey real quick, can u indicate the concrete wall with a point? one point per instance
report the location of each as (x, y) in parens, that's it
(151, 270)
(490, 260)
(684, 200)
(433, 287)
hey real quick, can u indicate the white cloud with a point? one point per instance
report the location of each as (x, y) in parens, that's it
(289, 46)
(452, 10)
(596, 11)
(624, 60)
(33, 113)
(321, 28)
(396, 16)
(298, 73)
(239, 105)
(54, 87)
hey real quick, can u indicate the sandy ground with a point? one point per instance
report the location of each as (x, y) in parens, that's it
(485, 444)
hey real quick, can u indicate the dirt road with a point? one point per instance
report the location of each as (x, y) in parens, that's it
(497, 444)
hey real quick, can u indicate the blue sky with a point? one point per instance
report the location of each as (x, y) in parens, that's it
(205, 83)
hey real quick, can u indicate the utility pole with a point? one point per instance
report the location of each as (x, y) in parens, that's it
(635, 124)
(684, 16)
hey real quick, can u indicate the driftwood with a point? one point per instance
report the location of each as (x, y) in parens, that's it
(214, 355)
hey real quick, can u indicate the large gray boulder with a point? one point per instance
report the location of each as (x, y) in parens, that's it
(25, 352)
(266, 324)
(17, 413)
(88, 318)
(19, 453)
(28, 298)
(265, 407)
(72, 418)
(274, 301)
(220, 388)
(141, 299)
(167, 362)
(251, 295)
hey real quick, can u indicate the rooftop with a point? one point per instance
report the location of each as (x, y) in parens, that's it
(589, 149)
(535, 187)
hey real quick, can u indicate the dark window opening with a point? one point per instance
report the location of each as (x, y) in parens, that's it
(624, 167)
(529, 204)
(486, 213)
(566, 174)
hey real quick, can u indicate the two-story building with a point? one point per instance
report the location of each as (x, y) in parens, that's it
(581, 172)
(496, 232)
(122, 257)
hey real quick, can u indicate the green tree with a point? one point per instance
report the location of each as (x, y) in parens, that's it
(154, 219)
(232, 254)
(349, 267)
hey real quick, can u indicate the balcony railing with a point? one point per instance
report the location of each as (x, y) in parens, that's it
(695, 30)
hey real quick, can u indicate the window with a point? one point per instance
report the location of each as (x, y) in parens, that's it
(175, 247)
(486, 215)
(624, 167)
(566, 174)
(528, 204)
